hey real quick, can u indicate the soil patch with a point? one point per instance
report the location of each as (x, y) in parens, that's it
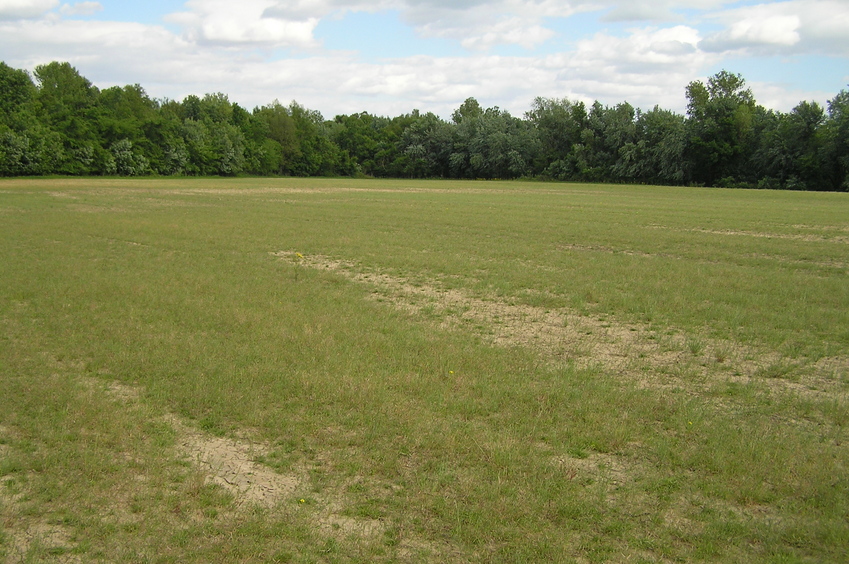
(230, 463)
(762, 235)
(565, 337)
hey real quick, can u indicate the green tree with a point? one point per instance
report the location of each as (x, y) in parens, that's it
(656, 155)
(720, 119)
(275, 124)
(806, 140)
(609, 131)
(129, 114)
(367, 140)
(67, 104)
(63, 92)
(212, 136)
(493, 144)
(559, 124)
(35, 151)
(426, 145)
(469, 109)
(317, 154)
(128, 162)
(27, 146)
(17, 92)
(837, 142)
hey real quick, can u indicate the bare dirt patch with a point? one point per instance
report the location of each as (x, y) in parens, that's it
(24, 534)
(635, 351)
(597, 466)
(231, 464)
(763, 235)
(227, 462)
(54, 539)
(63, 195)
(342, 526)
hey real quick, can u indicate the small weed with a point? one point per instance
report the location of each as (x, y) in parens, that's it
(721, 354)
(357, 487)
(370, 509)
(779, 369)
(577, 452)
(794, 348)
(695, 346)
(330, 546)
(283, 557)
(212, 426)
(392, 536)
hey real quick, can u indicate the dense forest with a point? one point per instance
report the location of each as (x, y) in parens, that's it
(56, 122)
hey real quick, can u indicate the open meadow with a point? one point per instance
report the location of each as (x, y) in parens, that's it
(335, 370)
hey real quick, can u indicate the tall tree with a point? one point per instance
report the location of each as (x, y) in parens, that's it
(426, 145)
(17, 92)
(657, 154)
(806, 140)
(469, 109)
(362, 138)
(559, 123)
(129, 114)
(493, 144)
(282, 131)
(719, 129)
(837, 141)
(67, 102)
(317, 154)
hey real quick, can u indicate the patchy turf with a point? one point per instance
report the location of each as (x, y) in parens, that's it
(329, 370)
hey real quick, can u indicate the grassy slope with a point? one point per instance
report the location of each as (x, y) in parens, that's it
(457, 448)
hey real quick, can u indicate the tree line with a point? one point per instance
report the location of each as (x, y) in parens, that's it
(55, 121)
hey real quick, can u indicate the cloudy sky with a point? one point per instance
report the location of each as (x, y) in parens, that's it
(388, 57)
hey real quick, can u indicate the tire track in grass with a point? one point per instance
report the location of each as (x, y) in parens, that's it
(233, 464)
(644, 356)
(634, 353)
(230, 463)
(807, 237)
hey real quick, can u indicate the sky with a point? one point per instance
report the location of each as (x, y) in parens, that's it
(388, 57)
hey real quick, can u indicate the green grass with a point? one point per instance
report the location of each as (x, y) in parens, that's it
(717, 434)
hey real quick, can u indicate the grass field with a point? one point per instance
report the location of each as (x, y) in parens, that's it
(324, 370)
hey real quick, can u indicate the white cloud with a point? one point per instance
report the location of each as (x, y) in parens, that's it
(783, 98)
(641, 11)
(773, 30)
(507, 31)
(757, 30)
(24, 9)
(647, 67)
(479, 26)
(476, 25)
(650, 66)
(794, 27)
(246, 23)
(81, 9)
(226, 49)
(657, 10)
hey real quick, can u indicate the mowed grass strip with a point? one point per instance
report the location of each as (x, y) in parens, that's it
(407, 441)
